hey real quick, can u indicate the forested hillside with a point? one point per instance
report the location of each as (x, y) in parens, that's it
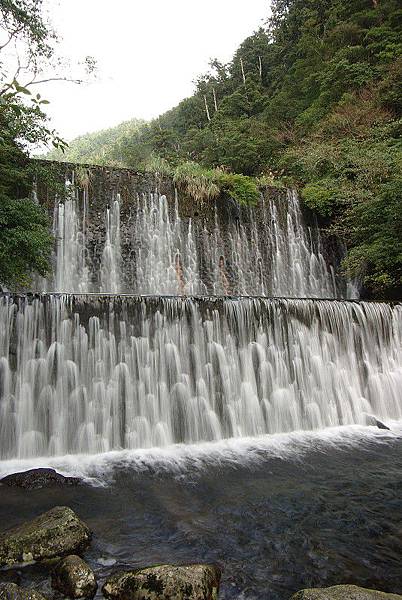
(102, 147)
(312, 100)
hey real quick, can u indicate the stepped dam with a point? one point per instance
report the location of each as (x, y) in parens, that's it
(213, 379)
(170, 322)
(83, 373)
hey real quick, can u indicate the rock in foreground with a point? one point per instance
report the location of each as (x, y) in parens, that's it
(165, 582)
(35, 479)
(11, 591)
(343, 592)
(74, 578)
(55, 533)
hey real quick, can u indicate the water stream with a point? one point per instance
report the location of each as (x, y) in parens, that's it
(270, 252)
(200, 376)
(98, 373)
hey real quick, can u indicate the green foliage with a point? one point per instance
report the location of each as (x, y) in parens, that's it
(199, 183)
(206, 184)
(25, 241)
(159, 166)
(321, 196)
(241, 188)
(105, 147)
(376, 253)
(314, 99)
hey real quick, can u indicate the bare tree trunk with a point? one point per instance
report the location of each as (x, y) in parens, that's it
(215, 102)
(242, 71)
(206, 108)
(260, 66)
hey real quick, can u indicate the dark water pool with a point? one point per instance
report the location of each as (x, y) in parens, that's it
(332, 514)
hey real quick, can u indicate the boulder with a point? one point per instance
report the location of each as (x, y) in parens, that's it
(35, 479)
(55, 533)
(343, 592)
(165, 582)
(11, 591)
(372, 420)
(74, 578)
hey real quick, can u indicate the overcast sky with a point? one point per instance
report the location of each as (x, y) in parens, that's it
(148, 53)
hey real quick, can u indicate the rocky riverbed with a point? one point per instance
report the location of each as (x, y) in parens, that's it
(272, 525)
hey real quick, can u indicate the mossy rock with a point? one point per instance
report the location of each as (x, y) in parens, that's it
(343, 592)
(55, 533)
(11, 591)
(74, 578)
(165, 582)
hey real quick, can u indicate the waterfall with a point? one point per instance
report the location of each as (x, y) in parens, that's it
(166, 258)
(95, 373)
(275, 255)
(111, 256)
(267, 250)
(71, 271)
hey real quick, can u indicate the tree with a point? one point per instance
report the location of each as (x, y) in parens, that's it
(27, 58)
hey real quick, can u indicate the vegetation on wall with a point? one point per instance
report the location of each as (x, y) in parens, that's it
(312, 99)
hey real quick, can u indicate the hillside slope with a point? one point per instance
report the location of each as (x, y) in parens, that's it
(312, 100)
(101, 147)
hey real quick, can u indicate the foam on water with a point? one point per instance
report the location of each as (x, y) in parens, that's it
(194, 459)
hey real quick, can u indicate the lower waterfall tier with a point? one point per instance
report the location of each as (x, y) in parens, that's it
(88, 374)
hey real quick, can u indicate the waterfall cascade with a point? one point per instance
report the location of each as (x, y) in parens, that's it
(91, 374)
(201, 353)
(270, 252)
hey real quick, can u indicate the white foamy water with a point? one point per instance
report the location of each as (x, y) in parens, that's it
(86, 374)
(111, 256)
(270, 251)
(196, 459)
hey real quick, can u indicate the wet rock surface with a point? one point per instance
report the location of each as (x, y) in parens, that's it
(38, 478)
(165, 582)
(374, 422)
(11, 591)
(343, 592)
(55, 533)
(74, 578)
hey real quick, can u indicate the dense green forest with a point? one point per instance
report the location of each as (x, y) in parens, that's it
(311, 100)
(103, 147)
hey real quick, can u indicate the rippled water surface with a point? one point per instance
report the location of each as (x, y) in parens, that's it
(278, 514)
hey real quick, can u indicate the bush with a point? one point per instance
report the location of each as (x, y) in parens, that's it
(321, 197)
(206, 184)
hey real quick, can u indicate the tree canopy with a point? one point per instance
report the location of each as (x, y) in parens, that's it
(312, 98)
(27, 58)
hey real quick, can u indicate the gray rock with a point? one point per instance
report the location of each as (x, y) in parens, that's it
(343, 592)
(55, 533)
(165, 582)
(11, 591)
(38, 478)
(372, 420)
(74, 578)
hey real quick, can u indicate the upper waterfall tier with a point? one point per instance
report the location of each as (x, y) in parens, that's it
(96, 373)
(148, 243)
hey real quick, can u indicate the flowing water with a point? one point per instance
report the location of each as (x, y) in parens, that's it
(92, 373)
(210, 420)
(304, 510)
(271, 252)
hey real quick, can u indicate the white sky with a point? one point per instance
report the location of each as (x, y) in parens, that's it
(148, 53)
